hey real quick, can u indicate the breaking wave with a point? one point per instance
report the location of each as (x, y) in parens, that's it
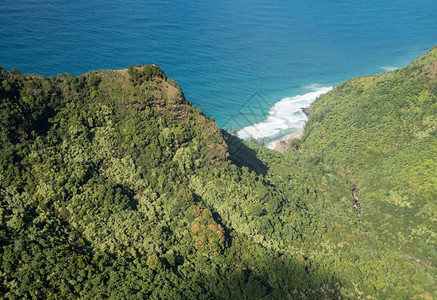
(284, 117)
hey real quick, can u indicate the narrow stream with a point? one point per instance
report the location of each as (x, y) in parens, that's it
(357, 206)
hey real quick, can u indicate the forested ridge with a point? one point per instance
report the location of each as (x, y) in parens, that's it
(113, 185)
(381, 132)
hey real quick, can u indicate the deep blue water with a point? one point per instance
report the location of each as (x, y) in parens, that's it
(234, 59)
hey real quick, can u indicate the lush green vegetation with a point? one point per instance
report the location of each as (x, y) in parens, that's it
(112, 185)
(381, 132)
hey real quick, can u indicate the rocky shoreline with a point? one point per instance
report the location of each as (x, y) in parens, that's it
(306, 110)
(282, 144)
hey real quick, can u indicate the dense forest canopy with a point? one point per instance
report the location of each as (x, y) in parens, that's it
(112, 185)
(381, 132)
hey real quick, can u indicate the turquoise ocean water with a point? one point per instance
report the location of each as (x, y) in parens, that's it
(242, 62)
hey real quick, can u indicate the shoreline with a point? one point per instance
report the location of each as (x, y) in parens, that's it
(283, 143)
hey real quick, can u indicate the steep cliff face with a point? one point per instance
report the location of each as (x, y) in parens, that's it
(381, 132)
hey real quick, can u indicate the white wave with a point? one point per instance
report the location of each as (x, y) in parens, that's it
(313, 86)
(272, 145)
(284, 115)
(389, 68)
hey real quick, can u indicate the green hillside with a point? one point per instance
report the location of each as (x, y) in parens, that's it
(381, 133)
(114, 186)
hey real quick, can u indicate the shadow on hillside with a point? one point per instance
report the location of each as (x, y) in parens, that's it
(268, 275)
(217, 218)
(243, 156)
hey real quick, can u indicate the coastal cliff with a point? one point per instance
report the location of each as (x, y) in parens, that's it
(114, 185)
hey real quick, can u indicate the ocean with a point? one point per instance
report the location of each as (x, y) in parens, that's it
(250, 64)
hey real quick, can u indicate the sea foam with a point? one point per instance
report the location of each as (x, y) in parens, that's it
(284, 117)
(389, 68)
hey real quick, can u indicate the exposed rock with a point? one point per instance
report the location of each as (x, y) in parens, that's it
(306, 110)
(282, 144)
